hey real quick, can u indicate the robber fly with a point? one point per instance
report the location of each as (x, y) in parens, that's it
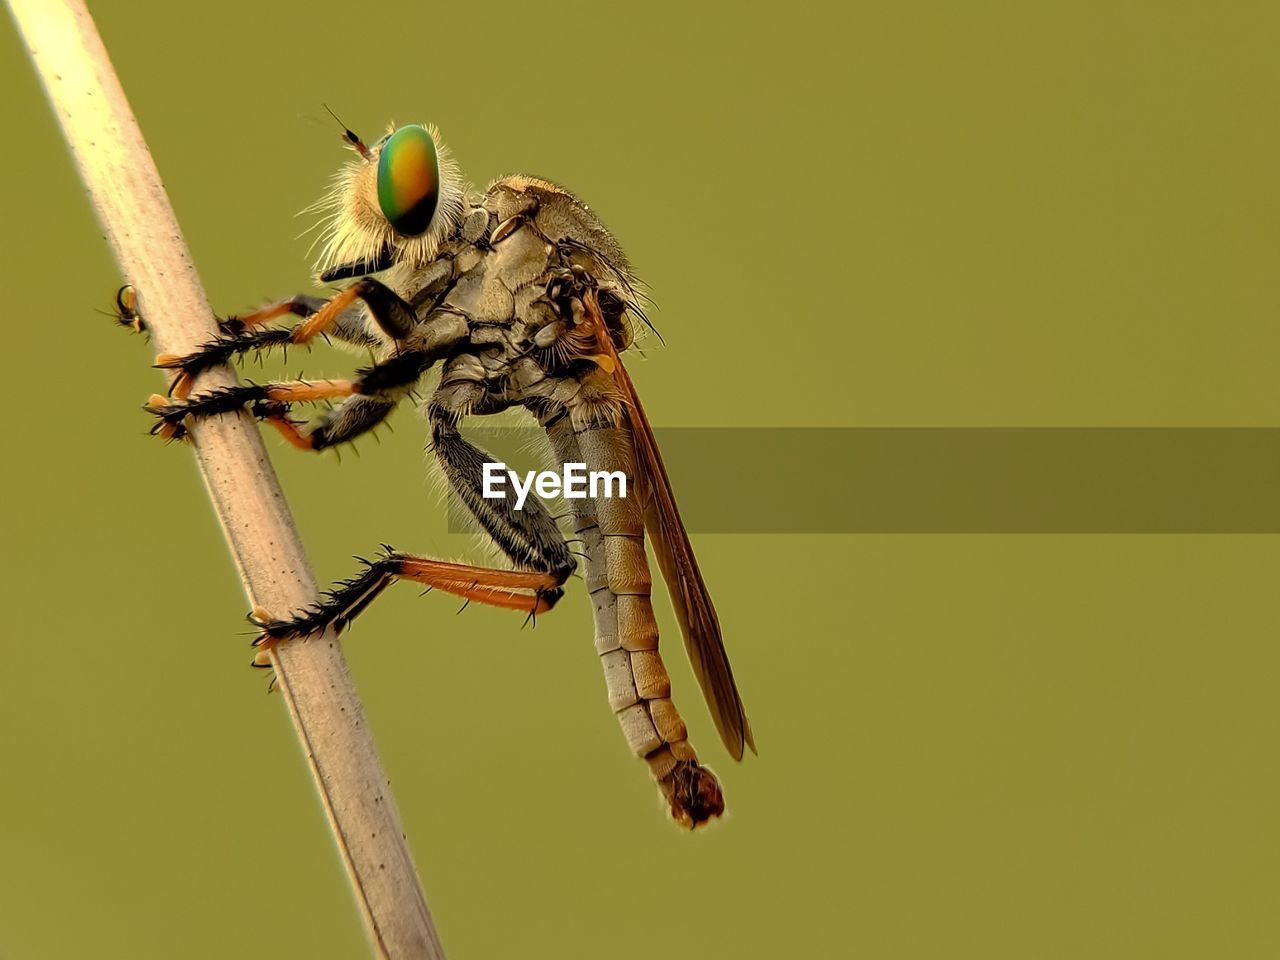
(522, 298)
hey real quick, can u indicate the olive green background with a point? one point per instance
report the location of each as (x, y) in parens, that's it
(917, 214)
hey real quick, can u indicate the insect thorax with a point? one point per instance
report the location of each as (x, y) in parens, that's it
(516, 272)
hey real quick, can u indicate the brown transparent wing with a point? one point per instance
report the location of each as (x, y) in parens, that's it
(697, 616)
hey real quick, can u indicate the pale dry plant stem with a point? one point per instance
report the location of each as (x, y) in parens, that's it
(134, 209)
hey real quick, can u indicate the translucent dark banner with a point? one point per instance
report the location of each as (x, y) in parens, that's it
(955, 480)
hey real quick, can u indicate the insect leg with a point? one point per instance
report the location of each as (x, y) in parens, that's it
(373, 394)
(529, 591)
(528, 536)
(266, 401)
(354, 416)
(347, 327)
(333, 317)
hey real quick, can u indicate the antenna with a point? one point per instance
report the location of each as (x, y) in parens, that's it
(349, 136)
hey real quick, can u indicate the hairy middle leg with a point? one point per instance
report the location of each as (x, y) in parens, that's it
(529, 537)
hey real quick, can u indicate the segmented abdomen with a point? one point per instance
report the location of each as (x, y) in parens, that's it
(619, 582)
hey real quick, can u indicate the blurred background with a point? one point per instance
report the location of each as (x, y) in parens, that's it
(1060, 214)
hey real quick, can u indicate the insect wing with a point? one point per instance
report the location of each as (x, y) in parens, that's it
(699, 624)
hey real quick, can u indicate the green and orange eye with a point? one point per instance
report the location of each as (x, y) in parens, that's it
(409, 180)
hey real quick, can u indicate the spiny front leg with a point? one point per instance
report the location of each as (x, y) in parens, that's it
(530, 591)
(333, 317)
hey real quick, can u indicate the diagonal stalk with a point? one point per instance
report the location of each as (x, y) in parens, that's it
(131, 203)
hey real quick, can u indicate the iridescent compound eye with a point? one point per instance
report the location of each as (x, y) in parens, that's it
(409, 180)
